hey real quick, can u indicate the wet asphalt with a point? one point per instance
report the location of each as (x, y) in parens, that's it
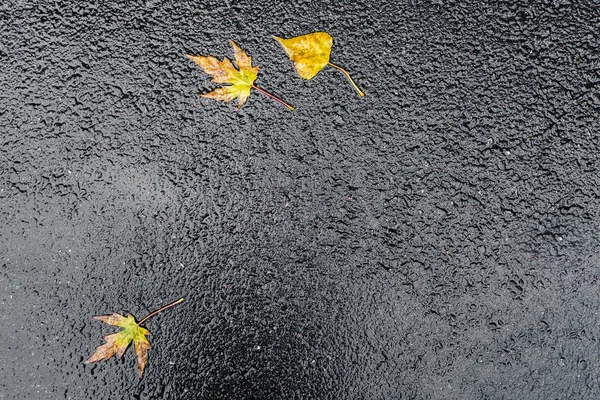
(436, 239)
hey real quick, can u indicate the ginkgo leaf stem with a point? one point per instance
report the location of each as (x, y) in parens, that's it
(153, 313)
(360, 92)
(273, 97)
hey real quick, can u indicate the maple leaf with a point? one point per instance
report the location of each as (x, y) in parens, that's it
(239, 81)
(310, 54)
(117, 343)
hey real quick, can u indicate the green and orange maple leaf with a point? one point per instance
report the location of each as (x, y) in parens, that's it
(238, 81)
(117, 343)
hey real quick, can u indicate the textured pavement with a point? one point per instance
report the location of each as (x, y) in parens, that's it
(436, 239)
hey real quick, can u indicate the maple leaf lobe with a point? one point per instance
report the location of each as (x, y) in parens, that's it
(141, 352)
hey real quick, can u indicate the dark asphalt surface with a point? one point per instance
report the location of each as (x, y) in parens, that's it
(436, 239)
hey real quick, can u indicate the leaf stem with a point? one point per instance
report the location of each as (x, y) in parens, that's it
(153, 313)
(273, 97)
(360, 92)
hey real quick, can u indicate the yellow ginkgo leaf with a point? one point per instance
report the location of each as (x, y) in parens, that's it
(310, 54)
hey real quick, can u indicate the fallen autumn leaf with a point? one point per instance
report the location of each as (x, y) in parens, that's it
(117, 343)
(310, 54)
(239, 81)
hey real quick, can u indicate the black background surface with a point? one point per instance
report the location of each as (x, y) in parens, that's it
(436, 239)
